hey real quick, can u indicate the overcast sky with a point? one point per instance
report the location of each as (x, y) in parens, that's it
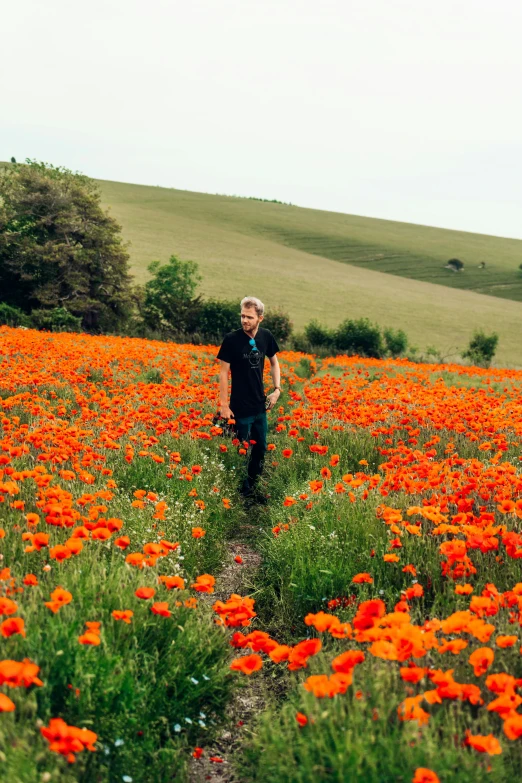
(401, 109)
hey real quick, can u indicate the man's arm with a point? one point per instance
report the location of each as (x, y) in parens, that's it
(275, 372)
(224, 408)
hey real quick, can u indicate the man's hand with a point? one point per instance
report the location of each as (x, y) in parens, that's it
(225, 412)
(273, 398)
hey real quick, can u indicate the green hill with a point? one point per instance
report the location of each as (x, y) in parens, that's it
(328, 265)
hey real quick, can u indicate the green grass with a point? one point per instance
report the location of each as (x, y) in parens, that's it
(331, 266)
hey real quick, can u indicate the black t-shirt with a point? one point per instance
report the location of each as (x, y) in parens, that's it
(246, 365)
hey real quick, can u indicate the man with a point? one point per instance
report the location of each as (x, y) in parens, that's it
(243, 353)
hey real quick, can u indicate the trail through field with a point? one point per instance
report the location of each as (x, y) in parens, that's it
(249, 701)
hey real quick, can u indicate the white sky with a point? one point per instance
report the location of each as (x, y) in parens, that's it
(401, 109)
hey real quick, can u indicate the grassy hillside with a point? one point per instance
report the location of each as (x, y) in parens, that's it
(404, 249)
(312, 263)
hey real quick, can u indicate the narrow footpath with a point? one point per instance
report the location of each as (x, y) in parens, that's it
(249, 700)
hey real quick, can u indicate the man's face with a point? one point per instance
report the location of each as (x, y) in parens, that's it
(250, 319)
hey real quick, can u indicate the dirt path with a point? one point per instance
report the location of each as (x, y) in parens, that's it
(248, 701)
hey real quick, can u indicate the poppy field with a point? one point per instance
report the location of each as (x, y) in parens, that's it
(382, 627)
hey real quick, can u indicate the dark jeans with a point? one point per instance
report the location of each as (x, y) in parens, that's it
(253, 428)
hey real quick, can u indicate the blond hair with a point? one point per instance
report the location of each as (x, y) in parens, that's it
(253, 301)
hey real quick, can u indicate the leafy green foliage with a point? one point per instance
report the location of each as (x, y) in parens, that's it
(359, 337)
(214, 318)
(169, 301)
(318, 335)
(58, 248)
(351, 738)
(481, 348)
(13, 316)
(396, 341)
(59, 319)
(456, 264)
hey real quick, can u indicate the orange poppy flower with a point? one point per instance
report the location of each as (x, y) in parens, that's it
(484, 744)
(248, 664)
(12, 626)
(125, 615)
(145, 593)
(424, 775)
(6, 705)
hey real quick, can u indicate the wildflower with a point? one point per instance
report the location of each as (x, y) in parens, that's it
(505, 641)
(412, 674)
(12, 626)
(363, 578)
(145, 593)
(125, 615)
(59, 598)
(90, 638)
(410, 709)
(6, 705)
(247, 664)
(513, 726)
(7, 606)
(59, 553)
(204, 584)
(161, 608)
(484, 744)
(347, 661)
(424, 775)
(236, 611)
(171, 582)
(463, 589)
(301, 719)
(68, 740)
(301, 652)
(198, 532)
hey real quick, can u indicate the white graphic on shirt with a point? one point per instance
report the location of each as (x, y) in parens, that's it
(255, 358)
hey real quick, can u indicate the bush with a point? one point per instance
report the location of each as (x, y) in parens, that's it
(300, 343)
(319, 335)
(359, 337)
(59, 319)
(214, 318)
(279, 323)
(481, 348)
(456, 264)
(169, 303)
(13, 316)
(396, 341)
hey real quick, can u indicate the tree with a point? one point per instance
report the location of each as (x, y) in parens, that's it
(481, 348)
(169, 300)
(455, 264)
(59, 249)
(396, 341)
(13, 160)
(359, 336)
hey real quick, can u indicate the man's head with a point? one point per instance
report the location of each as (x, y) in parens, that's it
(252, 312)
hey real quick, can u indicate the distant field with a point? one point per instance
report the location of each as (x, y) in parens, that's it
(311, 263)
